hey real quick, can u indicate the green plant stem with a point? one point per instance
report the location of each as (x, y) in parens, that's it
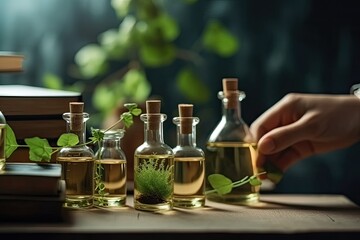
(239, 183)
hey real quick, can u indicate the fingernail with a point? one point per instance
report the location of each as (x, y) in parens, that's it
(267, 146)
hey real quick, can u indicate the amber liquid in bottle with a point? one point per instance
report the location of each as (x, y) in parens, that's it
(189, 182)
(112, 174)
(153, 164)
(235, 160)
(189, 176)
(78, 173)
(231, 149)
(111, 171)
(77, 161)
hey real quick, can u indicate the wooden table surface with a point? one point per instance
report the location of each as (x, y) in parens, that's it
(277, 216)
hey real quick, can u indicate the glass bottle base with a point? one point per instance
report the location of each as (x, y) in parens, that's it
(244, 199)
(79, 202)
(187, 202)
(109, 201)
(152, 207)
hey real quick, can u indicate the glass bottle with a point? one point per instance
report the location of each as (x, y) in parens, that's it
(110, 171)
(189, 160)
(153, 164)
(2, 141)
(231, 149)
(77, 161)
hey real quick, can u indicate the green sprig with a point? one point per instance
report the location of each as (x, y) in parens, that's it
(40, 149)
(223, 185)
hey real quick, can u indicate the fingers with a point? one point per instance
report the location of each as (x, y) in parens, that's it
(280, 114)
(283, 137)
(284, 159)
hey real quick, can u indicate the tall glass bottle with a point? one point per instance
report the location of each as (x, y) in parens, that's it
(231, 149)
(2, 141)
(110, 171)
(153, 164)
(189, 176)
(78, 161)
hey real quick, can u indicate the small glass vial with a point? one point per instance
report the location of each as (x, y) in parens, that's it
(189, 176)
(110, 171)
(153, 164)
(77, 161)
(231, 149)
(2, 141)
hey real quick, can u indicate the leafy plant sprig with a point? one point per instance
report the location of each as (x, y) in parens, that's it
(223, 185)
(152, 177)
(40, 149)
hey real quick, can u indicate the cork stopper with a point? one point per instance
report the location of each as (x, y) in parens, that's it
(153, 112)
(153, 106)
(186, 118)
(76, 107)
(230, 85)
(76, 116)
(231, 92)
(185, 110)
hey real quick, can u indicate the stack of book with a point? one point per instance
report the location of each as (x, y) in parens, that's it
(11, 62)
(32, 111)
(31, 192)
(35, 112)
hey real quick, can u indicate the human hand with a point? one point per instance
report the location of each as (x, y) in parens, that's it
(301, 125)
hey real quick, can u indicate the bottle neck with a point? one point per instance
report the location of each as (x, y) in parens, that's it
(112, 138)
(76, 124)
(231, 106)
(111, 143)
(153, 127)
(186, 130)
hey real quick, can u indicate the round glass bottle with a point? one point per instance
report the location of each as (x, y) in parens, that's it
(2, 141)
(153, 164)
(189, 160)
(231, 149)
(77, 161)
(110, 171)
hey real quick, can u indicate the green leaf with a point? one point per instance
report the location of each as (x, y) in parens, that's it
(121, 7)
(273, 173)
(104, 97)
(255, 181)
(191, 86)
(68, 140)
(220, 183)
(114, 44)
(216, 38)
(127, 119)
(135, 85)
(136, 111)
(40, 150)
(157, 55)
(117, 43)
(52, 81)
(97, 135)
(10, 142)
(91, 60)
(167, 26)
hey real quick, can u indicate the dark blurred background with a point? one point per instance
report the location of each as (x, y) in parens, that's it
(284, 46)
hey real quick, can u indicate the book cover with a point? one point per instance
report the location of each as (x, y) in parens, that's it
(18, 101)
(36, 179)
(24, 208)
(43, 128)
(11, 62)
